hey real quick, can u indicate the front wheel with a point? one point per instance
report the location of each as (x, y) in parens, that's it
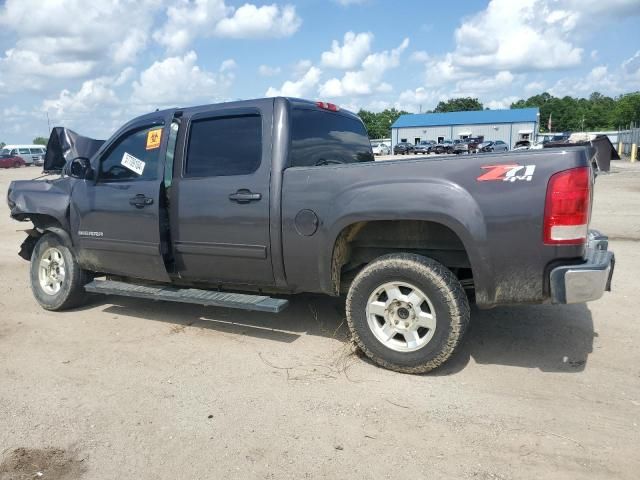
(407, 312)
(57, 281)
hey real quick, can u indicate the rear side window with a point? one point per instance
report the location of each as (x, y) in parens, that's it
(36, 151)
(224, 146)
(326, 138)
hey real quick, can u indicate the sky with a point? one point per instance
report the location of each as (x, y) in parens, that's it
(92, 65)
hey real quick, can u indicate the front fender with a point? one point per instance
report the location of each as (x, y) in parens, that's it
(30, 198)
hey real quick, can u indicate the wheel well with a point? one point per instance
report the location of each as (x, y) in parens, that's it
(360, 243)
(42, 224)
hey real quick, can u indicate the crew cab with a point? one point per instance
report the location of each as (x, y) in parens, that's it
(279, 196)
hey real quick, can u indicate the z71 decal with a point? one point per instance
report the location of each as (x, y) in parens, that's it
(507, 173)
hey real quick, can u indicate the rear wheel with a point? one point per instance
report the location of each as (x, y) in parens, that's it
(57, 281)
(407, 312)
(17, 164)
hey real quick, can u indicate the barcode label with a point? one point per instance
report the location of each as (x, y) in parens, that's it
(132, 163)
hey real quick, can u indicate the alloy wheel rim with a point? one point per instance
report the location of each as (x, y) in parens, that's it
(51, 271)
(401, 316)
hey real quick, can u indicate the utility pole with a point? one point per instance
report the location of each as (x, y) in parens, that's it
(48, 123)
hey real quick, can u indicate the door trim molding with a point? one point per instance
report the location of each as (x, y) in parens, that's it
(222, 249)
(126, 246)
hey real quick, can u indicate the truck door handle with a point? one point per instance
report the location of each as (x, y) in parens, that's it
(245, 196)
(140, 201)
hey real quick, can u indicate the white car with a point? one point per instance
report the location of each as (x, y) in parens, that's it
(381, 149)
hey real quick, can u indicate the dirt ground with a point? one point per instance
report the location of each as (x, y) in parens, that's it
(127, 388)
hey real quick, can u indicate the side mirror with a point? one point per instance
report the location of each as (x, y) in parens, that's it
(80, 168)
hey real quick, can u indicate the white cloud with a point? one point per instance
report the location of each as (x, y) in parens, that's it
(267, 71)
(419, 98)
(354, 49)
(346, 3)
(179, 80)
(228, 65)
(98, 36)
(522, 36)
(502, 103)
(419, 56)
(368, 79)
(250, 21)
(534, 87)
(301, 67)
(622, 79)
(511, 35)
(482, 84)
(189, 19)
(631, 66)
(124, 76)
(298, 88)
(92, 94)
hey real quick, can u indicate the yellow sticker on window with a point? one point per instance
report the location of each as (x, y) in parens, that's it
(153, 138)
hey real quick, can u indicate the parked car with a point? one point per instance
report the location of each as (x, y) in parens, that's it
(10, 161)
(468, 145)
(29, 153)
(381, 148)
(242, 206)
(445, 146)
(424, 147)
(493, 146)
(403, 148)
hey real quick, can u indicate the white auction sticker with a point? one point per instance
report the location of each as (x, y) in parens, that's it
(132, 163)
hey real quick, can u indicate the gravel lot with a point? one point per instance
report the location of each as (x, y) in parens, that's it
(127, 388)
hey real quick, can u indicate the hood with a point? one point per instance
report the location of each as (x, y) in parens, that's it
(604, 149)
(65, 145)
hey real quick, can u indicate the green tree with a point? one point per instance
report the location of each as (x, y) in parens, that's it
(626, 110)
(2, 144)
(40, 141)
(379, 124)
(598, 112)
(462, 104)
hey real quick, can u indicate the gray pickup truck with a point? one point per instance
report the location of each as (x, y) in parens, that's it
(278, 196)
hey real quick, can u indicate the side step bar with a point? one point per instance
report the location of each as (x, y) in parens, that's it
(242, 301)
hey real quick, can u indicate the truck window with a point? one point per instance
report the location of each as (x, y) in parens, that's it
(224, 146)
(325, 138)
(134, 144)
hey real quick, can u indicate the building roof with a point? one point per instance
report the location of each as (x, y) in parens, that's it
(515, 115)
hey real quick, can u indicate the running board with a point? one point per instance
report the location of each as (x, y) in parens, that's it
(242, 301)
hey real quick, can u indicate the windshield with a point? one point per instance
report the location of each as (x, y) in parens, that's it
(5, 151)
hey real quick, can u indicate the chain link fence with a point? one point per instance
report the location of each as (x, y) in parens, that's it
(628, 138)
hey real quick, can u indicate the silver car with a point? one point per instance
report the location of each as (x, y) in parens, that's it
(497, 146)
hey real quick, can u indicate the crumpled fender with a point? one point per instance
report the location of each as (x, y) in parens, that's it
(28, 198)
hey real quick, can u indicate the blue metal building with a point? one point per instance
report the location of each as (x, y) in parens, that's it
(506, 125)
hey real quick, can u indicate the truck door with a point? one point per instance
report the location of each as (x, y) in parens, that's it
(220, 196)
(115, 217)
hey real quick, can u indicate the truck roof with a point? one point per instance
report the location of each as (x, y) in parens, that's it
(294, 102)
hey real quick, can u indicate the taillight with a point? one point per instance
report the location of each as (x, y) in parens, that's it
(332, 107)
(567, 207)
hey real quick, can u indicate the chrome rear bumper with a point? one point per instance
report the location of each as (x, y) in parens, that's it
(586, 281)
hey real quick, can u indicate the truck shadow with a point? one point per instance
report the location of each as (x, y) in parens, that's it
(307, 314)
(551, 338)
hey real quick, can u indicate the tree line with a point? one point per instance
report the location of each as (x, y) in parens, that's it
(597, 112)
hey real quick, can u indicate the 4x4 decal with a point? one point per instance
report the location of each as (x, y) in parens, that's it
(507, 173)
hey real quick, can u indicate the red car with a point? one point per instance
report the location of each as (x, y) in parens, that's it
(11, 161)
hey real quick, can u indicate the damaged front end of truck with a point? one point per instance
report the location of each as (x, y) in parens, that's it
(44, 201)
